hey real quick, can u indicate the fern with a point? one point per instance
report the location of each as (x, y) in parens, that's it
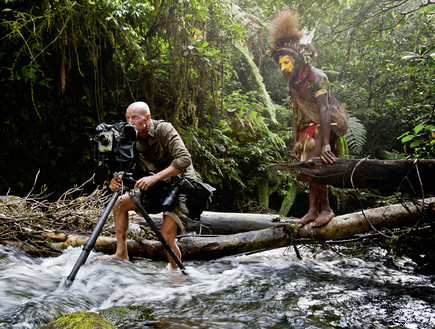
(356, 135)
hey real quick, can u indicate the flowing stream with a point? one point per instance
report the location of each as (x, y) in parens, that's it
(271, 289)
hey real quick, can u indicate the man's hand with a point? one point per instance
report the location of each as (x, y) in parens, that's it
(326, 154)
(297, 151)
(146, 182)
(115, 183)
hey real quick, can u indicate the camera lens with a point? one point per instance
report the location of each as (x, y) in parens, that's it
(105, 141)
(170, 201)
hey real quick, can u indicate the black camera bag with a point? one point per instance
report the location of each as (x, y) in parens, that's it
(198, 199)
(152, 199)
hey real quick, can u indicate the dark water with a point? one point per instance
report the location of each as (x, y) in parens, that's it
(265, 290)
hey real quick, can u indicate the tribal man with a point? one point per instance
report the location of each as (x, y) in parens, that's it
(318, 118)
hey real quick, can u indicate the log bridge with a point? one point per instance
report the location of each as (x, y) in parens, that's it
(415, 176)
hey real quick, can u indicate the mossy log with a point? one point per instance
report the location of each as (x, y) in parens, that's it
(414, 176)
(211, 247)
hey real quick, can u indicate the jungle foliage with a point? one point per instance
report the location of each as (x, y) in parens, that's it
(202, 64)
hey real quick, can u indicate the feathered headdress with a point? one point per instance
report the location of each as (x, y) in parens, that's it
(287, 39)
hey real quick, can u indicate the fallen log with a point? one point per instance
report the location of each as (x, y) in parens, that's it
(414, 176)
(222, 223)
(211, 247)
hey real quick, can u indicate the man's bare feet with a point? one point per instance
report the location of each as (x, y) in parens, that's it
(324, 218)
(114, 256)
(309, 217)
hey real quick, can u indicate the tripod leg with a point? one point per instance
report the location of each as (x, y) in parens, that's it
(93, 238)
(159, 234)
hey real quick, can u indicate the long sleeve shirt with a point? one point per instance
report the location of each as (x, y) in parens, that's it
(164, 147)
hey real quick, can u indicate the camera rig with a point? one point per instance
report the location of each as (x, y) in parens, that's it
(114, 149)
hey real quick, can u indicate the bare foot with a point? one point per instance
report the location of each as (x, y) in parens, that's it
(114, 256)
(309, 217)
(324, 218)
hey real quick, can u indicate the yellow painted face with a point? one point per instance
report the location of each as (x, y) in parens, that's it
(287, 63)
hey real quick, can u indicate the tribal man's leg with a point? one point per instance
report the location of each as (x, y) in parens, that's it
(326, 213)
(169, 231)
(313, 210)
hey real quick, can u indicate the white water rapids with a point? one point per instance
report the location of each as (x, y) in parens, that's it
(270, 289)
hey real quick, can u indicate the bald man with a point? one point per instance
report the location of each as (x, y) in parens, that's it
(163, 153)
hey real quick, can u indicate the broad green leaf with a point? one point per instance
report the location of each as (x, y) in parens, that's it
(416, 143)
(418, 128)
(407, 138)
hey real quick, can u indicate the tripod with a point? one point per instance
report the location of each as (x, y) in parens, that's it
(97, 230)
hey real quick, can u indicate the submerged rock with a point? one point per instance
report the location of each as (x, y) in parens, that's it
(130, 316)
(80, 320)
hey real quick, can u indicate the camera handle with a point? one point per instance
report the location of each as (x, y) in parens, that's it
(136, 200)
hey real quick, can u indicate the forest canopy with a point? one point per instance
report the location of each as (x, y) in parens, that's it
(67, 66)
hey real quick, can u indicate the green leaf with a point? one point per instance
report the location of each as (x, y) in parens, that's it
(407, 138)
(418, 128)
(416, 143)
(252, 115)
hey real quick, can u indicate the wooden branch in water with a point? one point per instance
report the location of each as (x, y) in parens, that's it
(391, 175)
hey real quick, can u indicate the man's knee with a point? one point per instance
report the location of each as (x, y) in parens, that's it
(123, 204)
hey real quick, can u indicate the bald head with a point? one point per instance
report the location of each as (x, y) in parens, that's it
(138, 114)
(140, 106)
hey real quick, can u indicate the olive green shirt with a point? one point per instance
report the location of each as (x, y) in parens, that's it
(162, 148)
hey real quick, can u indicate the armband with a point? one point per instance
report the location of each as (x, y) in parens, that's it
(320, 92)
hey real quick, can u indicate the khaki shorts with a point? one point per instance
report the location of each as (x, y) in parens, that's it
(180, 213)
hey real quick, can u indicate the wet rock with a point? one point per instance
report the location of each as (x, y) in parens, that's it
(130, 316)
(80, 320)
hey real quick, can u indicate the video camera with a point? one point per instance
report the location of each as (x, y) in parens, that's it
(114, 149)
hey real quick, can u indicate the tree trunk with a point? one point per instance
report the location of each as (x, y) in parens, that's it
(223, 223)
(212, 247)
(414, 176)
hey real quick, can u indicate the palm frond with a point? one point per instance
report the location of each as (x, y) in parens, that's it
(356, 135)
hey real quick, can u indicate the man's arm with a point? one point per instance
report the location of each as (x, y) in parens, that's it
(173, 144)
(175, 148)
(325, 127)
(296, 149)
(147, 181)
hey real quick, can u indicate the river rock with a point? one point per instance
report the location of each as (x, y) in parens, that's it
(82, 320)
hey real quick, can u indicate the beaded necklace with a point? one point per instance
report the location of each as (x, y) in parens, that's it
(302, 76)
